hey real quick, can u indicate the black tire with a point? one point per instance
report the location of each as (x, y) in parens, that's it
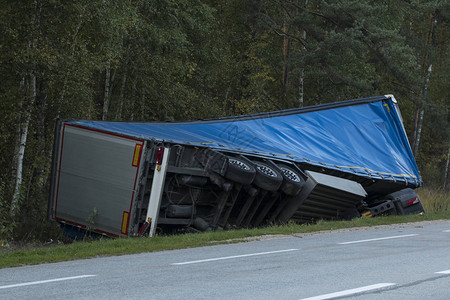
(292, 181)
(240, 171)
(267, 177)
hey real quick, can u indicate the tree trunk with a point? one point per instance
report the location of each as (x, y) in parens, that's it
(26, 108)
(142, 107)
(22, 95)
(446, 168)
(107, 91)
(416, 121)
(285, 74)
(422, 111)
(133, 100)
(64, 87)
(122, 95)
(22, 144)
(419, 132)
(300, 88)
(302, 71)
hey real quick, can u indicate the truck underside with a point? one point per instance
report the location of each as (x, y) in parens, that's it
(211, 190)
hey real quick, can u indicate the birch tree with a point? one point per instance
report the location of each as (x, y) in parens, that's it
(27, 107)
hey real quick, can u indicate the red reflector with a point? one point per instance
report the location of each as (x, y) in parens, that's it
(412, 201)
(159, 155)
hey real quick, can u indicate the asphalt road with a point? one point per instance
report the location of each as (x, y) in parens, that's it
(390, 262)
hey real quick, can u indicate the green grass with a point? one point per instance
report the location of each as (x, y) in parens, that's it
(436, 204)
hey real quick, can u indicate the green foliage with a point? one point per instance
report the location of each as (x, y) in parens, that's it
(7, 224)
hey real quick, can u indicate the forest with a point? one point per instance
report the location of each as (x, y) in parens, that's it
(172, 60)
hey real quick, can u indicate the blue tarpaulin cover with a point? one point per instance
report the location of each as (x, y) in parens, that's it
(363, 136)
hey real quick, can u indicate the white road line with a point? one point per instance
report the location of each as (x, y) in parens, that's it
(351, 292)
(231, 257)
(446, 231)
(378, 239)
(44, 281)
(443, 272)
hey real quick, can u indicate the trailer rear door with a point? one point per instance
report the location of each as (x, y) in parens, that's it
(95, 179)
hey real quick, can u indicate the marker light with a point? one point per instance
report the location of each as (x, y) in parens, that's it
(159, 155)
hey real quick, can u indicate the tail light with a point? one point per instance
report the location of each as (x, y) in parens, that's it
(412, 201)
(159, 156)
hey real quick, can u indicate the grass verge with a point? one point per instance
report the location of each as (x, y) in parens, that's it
(436, 204)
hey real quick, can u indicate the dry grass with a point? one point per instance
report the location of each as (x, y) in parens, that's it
(435, 202)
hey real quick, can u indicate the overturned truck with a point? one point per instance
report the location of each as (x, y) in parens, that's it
(331, 161)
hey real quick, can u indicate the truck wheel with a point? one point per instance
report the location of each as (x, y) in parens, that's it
(267, 177)
(292, 183)
(240, 171)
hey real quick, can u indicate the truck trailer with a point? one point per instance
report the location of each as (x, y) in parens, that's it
(330, 161)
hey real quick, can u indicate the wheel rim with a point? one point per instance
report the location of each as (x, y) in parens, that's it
(266, 170)
(239, 164)
(290, 174)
